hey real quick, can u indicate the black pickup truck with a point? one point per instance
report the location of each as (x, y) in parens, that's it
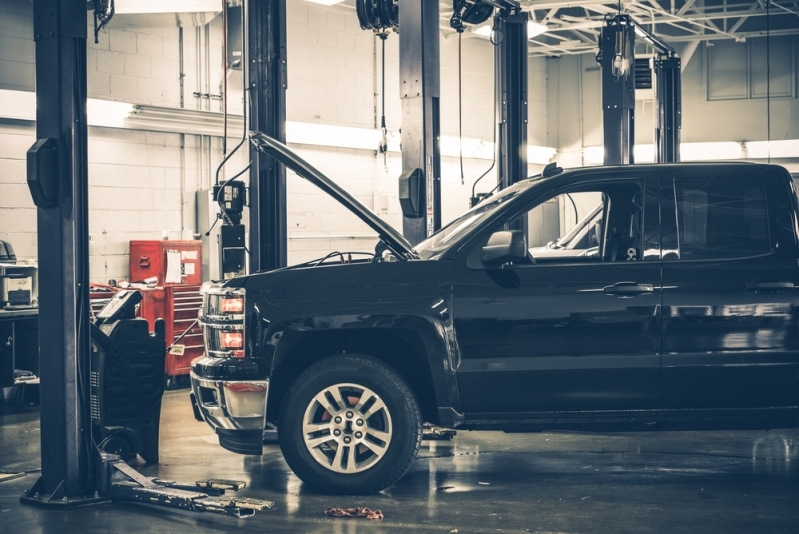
(684, 317)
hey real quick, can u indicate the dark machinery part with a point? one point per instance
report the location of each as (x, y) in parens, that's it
(232, 251)
(668, 119)
(469, 12)
(7, 253)
(127, 379)
(411, 185)
(234, 37)
(617, 58)
(420, 88)
(66, 448)
(620, 77)
(121, 482)
(103, 13)
(42, 173)
(265, 45)
(510, 95)
(378, 15)
(231, 197)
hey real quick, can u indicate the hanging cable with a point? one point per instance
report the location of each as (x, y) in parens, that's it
(460, 106)
(473, 199)
(768, 79)
(244, 96)
(224, 78)
(384, 131)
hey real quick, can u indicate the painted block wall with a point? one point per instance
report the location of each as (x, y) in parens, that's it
(143, 183)
(703, 120)
(334, 71)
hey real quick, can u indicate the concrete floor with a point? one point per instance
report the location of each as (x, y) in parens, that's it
(711, 482)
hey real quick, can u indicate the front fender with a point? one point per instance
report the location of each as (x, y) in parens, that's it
(350, 304)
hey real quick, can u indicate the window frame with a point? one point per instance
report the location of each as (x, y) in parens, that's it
(587, 186)
(672, 185)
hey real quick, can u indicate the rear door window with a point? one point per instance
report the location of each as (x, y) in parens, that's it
(721, 218)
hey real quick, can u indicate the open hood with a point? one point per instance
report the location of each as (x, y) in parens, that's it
(274, 148)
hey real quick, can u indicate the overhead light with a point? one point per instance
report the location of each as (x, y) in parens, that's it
(713, 151)
(137, 7)
(484, 31)
(325, 2)
(533, 29)
(108, 113)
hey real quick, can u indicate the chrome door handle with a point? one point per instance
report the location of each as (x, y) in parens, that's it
(628, 290)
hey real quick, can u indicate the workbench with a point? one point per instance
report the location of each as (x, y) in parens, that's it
(19, 344)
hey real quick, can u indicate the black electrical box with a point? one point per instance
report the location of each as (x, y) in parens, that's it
(127, 384)
(233, 251)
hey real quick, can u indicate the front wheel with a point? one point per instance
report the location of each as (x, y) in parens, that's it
(350, 424)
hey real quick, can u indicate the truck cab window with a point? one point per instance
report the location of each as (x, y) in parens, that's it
(721, 218)
(598, 225)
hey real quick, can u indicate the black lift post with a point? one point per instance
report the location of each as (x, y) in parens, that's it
(668, 121)
(265, 43)
(617, 58)
(618, 92)
(58, 180)
(420, 89)
(510, 93)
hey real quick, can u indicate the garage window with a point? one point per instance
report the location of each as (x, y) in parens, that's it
(721, 218)
(737, 70)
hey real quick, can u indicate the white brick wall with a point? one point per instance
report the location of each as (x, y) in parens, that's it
(136, 178)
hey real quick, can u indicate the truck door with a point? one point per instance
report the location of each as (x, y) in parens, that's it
(729, 298)
(572, 332)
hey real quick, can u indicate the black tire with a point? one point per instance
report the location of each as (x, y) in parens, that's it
(398, 415)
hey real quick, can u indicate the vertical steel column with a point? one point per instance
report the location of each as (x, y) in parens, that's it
(510, 82)
(420, 89)
(266, 83)
(618, 96)
(64, 345)
(668, 93)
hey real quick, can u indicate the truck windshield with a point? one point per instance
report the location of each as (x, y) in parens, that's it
(441, 240)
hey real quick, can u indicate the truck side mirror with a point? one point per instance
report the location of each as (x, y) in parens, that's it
(504, 246)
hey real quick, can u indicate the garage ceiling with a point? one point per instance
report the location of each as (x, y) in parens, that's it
(574, 25)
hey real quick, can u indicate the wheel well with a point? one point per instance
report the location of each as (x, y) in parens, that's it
(401, 349)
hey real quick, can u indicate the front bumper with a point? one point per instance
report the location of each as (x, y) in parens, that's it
(235, 409)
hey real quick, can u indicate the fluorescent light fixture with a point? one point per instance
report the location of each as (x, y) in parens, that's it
(594, 155)
(710, 151)
(644, 153)
(306, 133)
(20, 105)
(325, 2)
(540, 155)
(108, 113)
(130, 7)
(484, 31)
(533, 29)
(472, 148)
(788, 148)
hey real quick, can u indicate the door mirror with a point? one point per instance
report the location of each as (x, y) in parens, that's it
(504, 246)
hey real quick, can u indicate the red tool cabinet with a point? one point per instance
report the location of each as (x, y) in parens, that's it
(178, 306)
(171, 262)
